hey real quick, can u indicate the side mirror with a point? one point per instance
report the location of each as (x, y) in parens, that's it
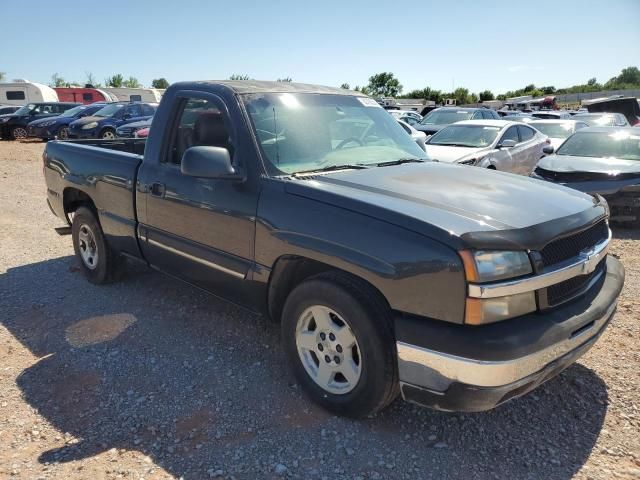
(208, 162)
(548, 150)
(507, 144)
(126, 116)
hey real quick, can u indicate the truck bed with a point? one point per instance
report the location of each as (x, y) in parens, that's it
(104, 170)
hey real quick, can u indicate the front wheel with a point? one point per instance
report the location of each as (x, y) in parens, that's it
(338, 336)
(108, 135)
(97, 261)
(63, 133)
(18, 133)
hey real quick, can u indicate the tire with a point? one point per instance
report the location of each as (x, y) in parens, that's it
(63, 133)
(18, 133)
(345, 301)
(98, 262)
(108, 134)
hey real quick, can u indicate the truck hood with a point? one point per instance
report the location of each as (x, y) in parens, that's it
(452, 199)
(608, 165)
(449, 154)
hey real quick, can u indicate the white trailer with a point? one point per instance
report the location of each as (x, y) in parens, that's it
(21, 92)
(152, 95)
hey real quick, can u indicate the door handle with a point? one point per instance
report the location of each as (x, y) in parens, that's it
(157, 189)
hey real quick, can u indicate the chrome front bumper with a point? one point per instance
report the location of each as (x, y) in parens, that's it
(478, 368)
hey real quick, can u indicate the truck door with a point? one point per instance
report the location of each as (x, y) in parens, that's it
(199, 229)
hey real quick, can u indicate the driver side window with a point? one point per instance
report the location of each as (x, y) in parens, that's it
(201, 123)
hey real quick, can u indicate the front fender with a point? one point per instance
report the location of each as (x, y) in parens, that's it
(416, 274)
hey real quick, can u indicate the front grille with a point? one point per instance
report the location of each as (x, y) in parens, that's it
(571, 246)
(563, 291)
(125, 132)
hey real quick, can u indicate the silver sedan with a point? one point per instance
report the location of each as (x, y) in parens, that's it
(419, 137)
(496, 144)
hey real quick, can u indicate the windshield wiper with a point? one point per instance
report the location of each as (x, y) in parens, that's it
(332, 168)
(400, 161)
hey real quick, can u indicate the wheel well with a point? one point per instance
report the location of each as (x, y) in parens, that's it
(289, 272)
(73, 198)
(491, 167)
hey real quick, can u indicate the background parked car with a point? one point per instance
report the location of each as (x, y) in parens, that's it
(419, 137)
(550, 115)
(7, 109)
(104, 122)
(407, 116)
(600, 160)
(142, 133)
(495, 144)
(627, 106)
(441, 117)
(602, 119)
(557, 130)
(51, 127)
(128, 130)
(15, 125)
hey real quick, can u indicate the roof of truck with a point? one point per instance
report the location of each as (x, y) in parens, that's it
(257, 86)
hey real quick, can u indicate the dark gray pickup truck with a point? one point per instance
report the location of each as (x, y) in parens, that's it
(458, 287)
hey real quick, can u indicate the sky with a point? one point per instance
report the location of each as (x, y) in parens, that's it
(498, 45)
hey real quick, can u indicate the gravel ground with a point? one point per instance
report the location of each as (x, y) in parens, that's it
(150, 378)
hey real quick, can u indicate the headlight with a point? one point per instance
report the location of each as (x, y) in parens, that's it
(47, 124)
(471, 161)
(4, 120)
(488, 266)
(89, 125)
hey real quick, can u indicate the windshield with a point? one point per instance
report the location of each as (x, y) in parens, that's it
(596, 120)
(306, 132)
(72, 112)
(618, 144)
(465, 136)
(109, 110)
(554, 130)
(26, 109)
(445, 117)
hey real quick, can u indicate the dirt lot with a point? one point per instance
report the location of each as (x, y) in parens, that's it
(149, 378)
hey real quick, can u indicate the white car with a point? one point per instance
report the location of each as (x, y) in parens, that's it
(496, 144)
(557, 130)
(419, 137)
(407, 116)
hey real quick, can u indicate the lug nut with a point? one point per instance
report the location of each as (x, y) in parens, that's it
(323, 336)
(336, 359)
(339, 348)
(332, 337)
(320, 347)
(327, 358)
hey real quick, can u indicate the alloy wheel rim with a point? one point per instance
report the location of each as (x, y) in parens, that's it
(108, 135)
(19, 132)
(328, 350)
(88, 247)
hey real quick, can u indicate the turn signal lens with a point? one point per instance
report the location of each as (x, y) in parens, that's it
(481, 311)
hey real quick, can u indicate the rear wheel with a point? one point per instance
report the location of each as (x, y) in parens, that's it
(18, 133)
(98, 262)
(108, 134)
(338, 336)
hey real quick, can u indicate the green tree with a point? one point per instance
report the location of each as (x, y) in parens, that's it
(236, 76)
(131, 82)
(384, 85)
(58, 81)
(116, 81)
(160, 83)
(592, 81)
(345, 86)
(486, 96)
(550, 90)
(502, 97)
(629, 75)
(285, 79)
